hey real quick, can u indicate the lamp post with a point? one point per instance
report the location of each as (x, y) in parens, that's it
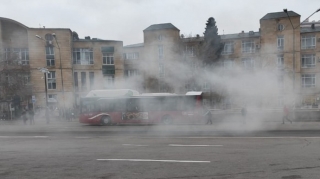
(45, 72)
(64, 105)
(293, 44)
(63, 96)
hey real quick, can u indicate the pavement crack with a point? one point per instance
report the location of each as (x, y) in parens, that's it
(308, 143)
(298, 168)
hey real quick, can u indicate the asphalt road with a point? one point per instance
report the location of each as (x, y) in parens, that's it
(230, 150)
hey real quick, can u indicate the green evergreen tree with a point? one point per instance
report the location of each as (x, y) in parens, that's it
(212, 46)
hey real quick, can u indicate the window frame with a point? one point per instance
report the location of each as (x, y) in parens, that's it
(280, 42)
(160, 51)
(228, 61)
(226, 45)
(108, 58)
(245, 48)
(51, 80)
(281, 59)
(304, 77)
(304, 41)
(79, 56)
(189, 51)
(304, 59)
(245, 62)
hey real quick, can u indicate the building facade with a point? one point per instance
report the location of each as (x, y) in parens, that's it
(274, 66)
(74, 66)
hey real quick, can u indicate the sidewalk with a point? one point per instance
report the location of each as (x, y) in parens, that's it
(217, 126)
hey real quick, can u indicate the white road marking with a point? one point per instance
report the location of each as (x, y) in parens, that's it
(83, 137)
(181, 145)
(152, 160)
(7, 137)
(137, 145)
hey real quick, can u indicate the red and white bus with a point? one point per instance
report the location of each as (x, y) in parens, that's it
(124, 106)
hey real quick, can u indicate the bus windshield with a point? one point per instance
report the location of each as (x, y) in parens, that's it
(88, 106)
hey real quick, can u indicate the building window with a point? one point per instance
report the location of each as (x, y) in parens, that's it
(52, 96)
(280, 41)
(280, 101)
(108, 59)
(91, 80)
(248, 46)
(281, 82)
(189, 51)
(50, 56)
(51, 78)
(48, 37)
(160, 37)
(227, 64)
(280, 62)
(205, 86)
(18, 56)
(228, 48)
(161, 70)
(160, 51)
(194, 67)
(130, 73)
(308, 61)
(76, 83)
(26, 79)
(132, 56)
(109, 81)
(83, 56)
(83, 81)
(8, 79)
(308, 42)
(308, 80)
(206, 102)
(248, 63)
(280, 27)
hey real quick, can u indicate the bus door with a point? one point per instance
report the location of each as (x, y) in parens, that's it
(188, 109)
(133, 112)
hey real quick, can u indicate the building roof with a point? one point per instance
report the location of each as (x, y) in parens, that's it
(134, 45)
(193, 39)
(95, 40)
(161, 26)
(275, 15)
(309, 29)
(240, 35)
(13, 21)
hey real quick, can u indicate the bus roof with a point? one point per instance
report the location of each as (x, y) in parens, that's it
(113, 93)
(159, 94)
(194, 93)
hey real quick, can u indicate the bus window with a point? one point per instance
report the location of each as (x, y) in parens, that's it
(119, 105)
(170, 104)
(189, 103)
(87, 106)
(132, 105)
(110, 105)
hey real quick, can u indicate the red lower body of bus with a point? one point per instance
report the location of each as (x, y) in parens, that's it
(156, 117)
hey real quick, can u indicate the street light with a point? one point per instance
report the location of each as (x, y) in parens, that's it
(54, 36)
(45, 72)
(293, 44)
(64, 105)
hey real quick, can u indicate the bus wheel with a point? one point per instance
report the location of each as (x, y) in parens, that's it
(105, 120)
(167, 120)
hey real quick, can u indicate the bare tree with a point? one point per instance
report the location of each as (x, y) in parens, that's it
(15, 75)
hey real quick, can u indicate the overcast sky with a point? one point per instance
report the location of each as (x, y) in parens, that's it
(125, 20)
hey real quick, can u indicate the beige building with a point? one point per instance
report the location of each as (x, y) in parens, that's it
(287, 53)
(75, 66)
(166, 61)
